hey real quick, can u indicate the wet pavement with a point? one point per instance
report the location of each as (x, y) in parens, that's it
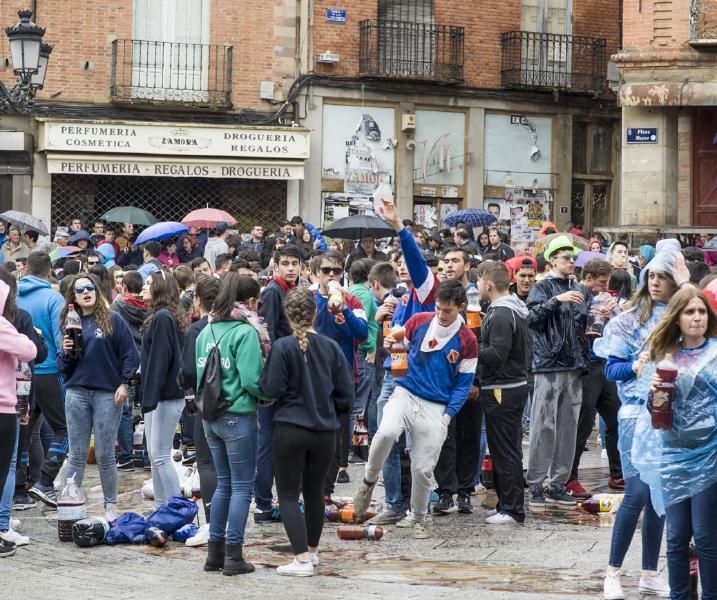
(556, 554)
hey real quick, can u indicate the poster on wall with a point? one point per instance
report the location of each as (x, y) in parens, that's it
(529, 209)
(439, 148)
(499, 208)
(337, 206)
(425, 215)
(358, 147)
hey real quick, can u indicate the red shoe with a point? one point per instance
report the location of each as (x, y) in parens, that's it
(576, 490)
(616, 484)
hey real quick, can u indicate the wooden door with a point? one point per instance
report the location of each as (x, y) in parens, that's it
(704, 168)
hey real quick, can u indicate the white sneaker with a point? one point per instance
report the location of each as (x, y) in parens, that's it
(15, 523)
(111, 513)
(500, 518)
(612, 588)
(406, 522)
(603, 454)
(481, 489)
(13, 536)
(296, 569)
(492, 512)
(419, 531)
(201, 538)
(314, 558)
(653, 584)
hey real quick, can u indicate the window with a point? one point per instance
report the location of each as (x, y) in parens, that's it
(548, 51)
(406, 37)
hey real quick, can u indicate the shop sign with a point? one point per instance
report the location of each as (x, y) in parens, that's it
(91, 165)
(642, 135)
(174, 139)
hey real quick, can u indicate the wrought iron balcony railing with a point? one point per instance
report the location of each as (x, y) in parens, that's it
(703, 22)
(407, 50)
(171, 73)
(553, 61)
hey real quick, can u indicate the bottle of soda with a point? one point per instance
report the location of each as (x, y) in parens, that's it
(73, 330)
(70, 509)
(336, 298)
(664, 395)
(23, 380)
(399, 353)
(603, 503)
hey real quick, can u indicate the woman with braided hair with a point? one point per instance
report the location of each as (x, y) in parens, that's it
(310, 379)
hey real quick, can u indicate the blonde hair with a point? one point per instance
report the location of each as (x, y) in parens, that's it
(665, 338)
(300, 308)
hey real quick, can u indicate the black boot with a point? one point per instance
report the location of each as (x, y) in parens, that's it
(215, 556)
(234, 563)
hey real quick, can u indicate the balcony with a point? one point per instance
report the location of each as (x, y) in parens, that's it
(171, 73)
(549, 61)
(408, 50)
(703, 24)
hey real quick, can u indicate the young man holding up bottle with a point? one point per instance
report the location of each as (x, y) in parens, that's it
(442, 359)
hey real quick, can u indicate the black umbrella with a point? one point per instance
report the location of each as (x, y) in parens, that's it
(130, 214)
(359, 226)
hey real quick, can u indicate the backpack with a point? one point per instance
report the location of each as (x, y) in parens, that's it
(209, 400)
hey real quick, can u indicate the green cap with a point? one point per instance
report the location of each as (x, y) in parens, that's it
(559, 243)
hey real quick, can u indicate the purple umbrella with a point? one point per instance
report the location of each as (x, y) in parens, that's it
(585, 257)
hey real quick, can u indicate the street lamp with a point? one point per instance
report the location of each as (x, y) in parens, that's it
(30, 55)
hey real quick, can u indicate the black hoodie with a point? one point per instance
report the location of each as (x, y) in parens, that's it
(129, 308)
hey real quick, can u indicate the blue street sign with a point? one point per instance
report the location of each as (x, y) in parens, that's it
(336, 15)
(642, 135)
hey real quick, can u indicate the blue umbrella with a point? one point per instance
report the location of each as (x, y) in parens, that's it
(584, 257)
(473, 217)
(161, 231)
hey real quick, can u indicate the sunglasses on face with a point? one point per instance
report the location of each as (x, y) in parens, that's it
(332, 270)
(93, 262)
(567, 257)
(86, 288)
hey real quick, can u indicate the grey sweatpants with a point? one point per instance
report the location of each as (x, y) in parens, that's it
(557, 398)
(423, 420)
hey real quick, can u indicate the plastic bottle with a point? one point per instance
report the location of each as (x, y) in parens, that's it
(473, 318)
(595, 320)
(398, 353)
(90, 532)
(73, 329)
(486, 472)
(70, 509)
(664, 395)
(603, 503)
(23, 380)
(360, 532)
(138, 445)
(336, 298)
(155, 537)
(345, 514)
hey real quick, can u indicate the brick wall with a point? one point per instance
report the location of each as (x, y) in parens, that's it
(262, 33)
(483, 25)
(656, 24)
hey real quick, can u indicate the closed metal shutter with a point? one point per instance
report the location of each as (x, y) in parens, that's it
(249, 201)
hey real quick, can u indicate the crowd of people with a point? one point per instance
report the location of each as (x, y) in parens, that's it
(268, 349)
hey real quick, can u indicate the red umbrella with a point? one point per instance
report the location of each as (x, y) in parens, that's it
(208, 218)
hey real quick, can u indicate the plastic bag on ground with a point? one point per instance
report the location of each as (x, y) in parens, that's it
(128, 529)
(184, 533)
(173, 515)
(90, 532)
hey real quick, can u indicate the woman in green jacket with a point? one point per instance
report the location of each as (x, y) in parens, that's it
(235, 329)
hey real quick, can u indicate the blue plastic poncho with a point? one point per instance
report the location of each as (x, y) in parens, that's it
(682, 462)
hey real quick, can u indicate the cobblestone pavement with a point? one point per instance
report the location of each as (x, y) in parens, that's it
(556, 555)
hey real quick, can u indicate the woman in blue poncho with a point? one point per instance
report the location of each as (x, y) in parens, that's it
(680, 464)
(623, 345)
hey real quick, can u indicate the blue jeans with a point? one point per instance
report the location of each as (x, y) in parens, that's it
(694, 517)
(125, 435)
(232, 440)
(637, 497)
(264, 480)
(482, 446)
(392, 466)
(8, 492)
(88, 411)
(160, 425)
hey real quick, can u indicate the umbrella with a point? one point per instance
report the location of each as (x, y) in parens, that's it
(208, 218)
(358, 226)
(63, 252)
(130, 214)
(473, 217)
(161, 231)
(584, 257)
(578, 241)
(25, 221)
